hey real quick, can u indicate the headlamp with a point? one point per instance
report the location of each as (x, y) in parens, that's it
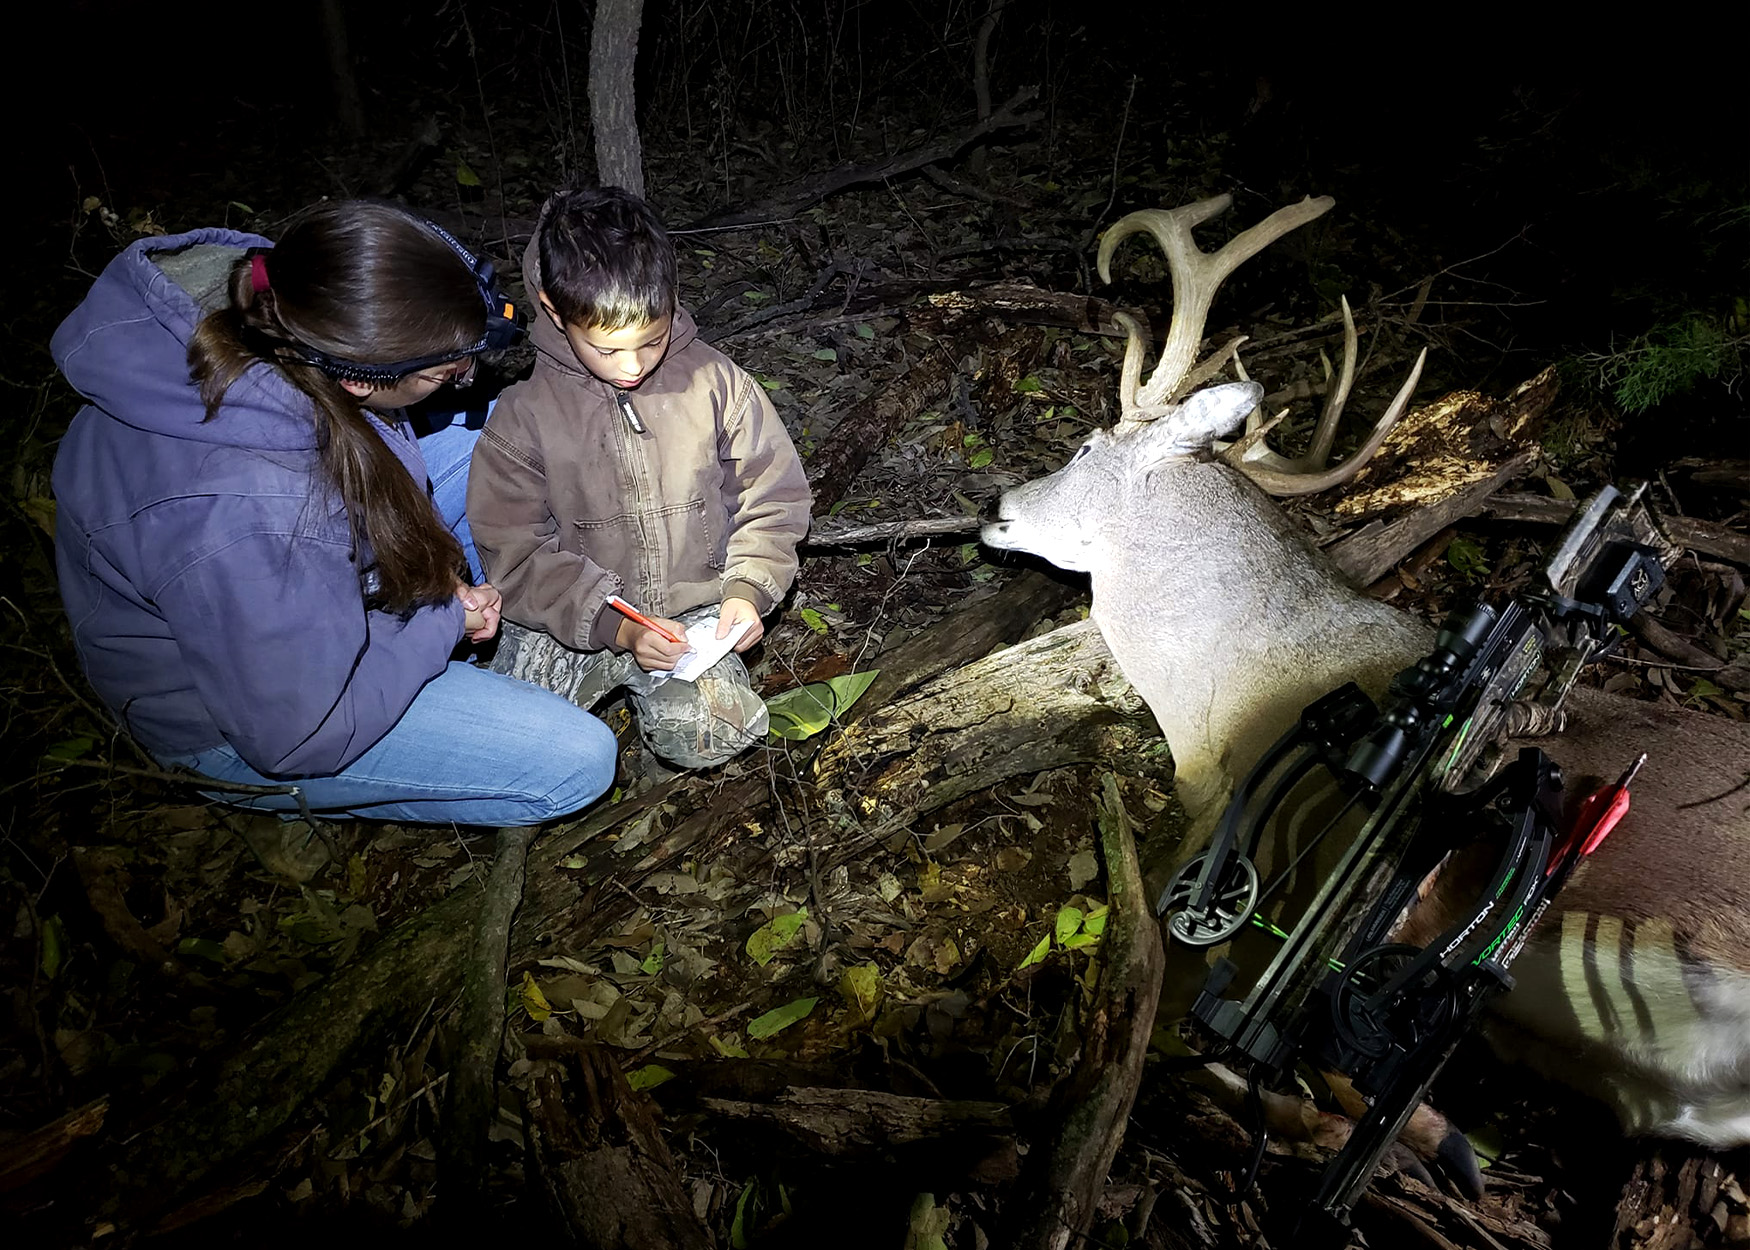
(504, 321)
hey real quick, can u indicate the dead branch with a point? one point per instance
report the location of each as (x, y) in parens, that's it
(1058, 1208)
(807, 192)
(1709, 538)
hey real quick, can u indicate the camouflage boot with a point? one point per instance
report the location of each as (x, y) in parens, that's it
(701, 723)
(583, 677)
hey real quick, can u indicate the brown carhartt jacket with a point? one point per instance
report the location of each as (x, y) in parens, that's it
(569, 504)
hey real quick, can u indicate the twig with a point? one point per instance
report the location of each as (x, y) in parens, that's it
(891, 532)
(1117, 151)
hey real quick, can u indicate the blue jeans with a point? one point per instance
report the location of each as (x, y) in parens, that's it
(475, 747)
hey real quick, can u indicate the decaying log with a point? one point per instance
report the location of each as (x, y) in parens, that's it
(1708, 538)
(1050, 701)
(1367, 554)
(596, 1151)
(869, 426)
(35, 1154)
(974, 1138)
(1675, 1189)
(1057, 1201)
(472, 1100)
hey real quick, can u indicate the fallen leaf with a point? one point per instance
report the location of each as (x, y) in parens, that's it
(780, 1018)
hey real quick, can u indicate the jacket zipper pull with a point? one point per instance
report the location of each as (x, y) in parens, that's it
(627, 411)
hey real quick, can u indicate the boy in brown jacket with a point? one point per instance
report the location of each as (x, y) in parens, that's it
(635, 462)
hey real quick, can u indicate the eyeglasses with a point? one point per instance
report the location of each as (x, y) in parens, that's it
(458, 373)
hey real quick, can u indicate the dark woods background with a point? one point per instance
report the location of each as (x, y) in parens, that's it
(1580, 188)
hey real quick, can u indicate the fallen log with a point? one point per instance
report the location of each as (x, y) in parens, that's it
(472, 1097)
(1058, 1199)
(1708, 538)
(597, 1154)
(1045, 703)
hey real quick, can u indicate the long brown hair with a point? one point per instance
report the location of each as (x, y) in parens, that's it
(365, 281)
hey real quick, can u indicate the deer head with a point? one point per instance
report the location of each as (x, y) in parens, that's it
(1197, 581)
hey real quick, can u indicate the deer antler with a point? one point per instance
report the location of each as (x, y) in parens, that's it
(1309, 474)
(1196, 275)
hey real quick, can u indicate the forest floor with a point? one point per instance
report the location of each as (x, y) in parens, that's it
(910, 969)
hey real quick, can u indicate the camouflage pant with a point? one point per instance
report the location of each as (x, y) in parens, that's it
(694, 724)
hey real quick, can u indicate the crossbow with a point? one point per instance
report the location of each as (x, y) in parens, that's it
(1406, 783)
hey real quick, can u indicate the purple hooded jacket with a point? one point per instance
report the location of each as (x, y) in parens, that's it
(207, 571)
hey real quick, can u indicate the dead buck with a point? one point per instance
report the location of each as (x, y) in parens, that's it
(1636, 988)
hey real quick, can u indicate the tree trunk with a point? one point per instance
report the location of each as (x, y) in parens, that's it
(343, 83)
(613, 60)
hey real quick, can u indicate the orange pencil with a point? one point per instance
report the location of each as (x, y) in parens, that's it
(621, 606)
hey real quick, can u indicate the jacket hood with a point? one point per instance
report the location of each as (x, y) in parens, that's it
(125, 348)
(551, 345)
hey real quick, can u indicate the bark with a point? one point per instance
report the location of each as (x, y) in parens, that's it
(1675, 1191)
(597, 1154)
(613, 59)
(343, 83)
(473, 1090)
(1051, 701)
(970, 1137)
(1059, 1199)
(37, 1153)
(869, 426)
(981, 78)
(1708, 538)
(1371, 552)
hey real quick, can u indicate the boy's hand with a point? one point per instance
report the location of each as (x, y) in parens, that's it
(654, 653)
(482, 607)
(734, 611)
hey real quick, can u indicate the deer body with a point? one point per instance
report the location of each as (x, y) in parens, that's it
(1636, 987)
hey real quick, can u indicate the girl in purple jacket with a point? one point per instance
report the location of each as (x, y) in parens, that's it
(264, 580)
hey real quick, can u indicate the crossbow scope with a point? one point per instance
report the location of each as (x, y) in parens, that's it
(1326, 841)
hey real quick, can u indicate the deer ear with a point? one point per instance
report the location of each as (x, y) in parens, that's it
(1200, 420)
(1213, 411)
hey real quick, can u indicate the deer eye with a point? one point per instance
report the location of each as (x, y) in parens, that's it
(1081, 451)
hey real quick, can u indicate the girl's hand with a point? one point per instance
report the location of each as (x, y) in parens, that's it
(654, 653)
(734, 611)
(482, 606)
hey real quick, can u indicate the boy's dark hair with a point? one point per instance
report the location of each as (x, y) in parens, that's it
(606, 261)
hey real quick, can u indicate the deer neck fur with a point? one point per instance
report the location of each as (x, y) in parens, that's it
(1228, 638)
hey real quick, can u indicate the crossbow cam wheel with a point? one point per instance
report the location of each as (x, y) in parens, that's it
(1236, 894)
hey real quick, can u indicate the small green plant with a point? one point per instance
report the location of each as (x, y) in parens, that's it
(1667, 361)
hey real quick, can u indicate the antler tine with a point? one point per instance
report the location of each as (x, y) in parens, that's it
(1319, 454)
(1280, 483)
(1132, 372)
(1196, 273)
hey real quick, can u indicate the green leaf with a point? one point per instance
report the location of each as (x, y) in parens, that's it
(1028, 385)
(534, 1002)
(242, 207)
(465, 176)
(973, 439)
(802, 712)
(54, 946)
(825, 353)
(1038, 953)
(1069, 920)
(738, 1229)
(865, 331)
(813, 620)
(1095, 921)
(805, 711)
(781, 1018)
(652, 962)
(729, 1047)
(755, 297)
(981, 458)
(771, 384)
(69, 749)
(847, 688)
(1701, 689)
(774, 935)
(1466, 557)
(649, 1076)
(861, 987)
(1080, 940)
(203, 948)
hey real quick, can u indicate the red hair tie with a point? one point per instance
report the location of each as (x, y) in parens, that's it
(258, 273)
